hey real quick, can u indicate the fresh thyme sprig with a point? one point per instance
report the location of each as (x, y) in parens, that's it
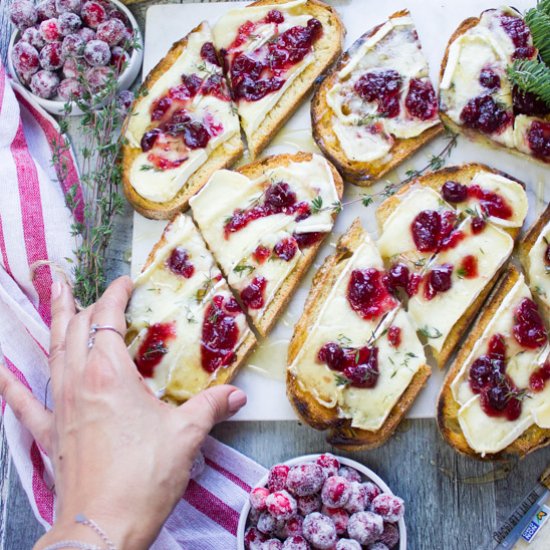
(100, 175)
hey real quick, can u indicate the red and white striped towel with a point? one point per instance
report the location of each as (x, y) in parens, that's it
(34, 226)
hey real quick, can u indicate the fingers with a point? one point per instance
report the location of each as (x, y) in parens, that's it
(26, 408)
(109, 311)
(63, 310)
(212, 406)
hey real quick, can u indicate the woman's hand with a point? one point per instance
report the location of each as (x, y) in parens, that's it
(121, 457)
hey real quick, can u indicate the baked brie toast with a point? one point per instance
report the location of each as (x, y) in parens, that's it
(476, 94)
(377, 105)
(273, 50)
(496, 396)
(186, 331)
(181, 128)
(355, 363)
(445, 238)
(534, 253)
(264, 224)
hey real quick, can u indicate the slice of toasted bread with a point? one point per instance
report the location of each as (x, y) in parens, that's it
(222, 155)
(255, 171)
(524, 248)
(326, 50)
(435, 180)
(471, 133)
(447, 409)
(181, 301)
(310, 410)
(358, 172)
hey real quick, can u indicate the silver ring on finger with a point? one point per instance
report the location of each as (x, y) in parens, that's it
(95, 328)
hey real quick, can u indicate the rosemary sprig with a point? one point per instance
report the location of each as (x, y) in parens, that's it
(531, 76)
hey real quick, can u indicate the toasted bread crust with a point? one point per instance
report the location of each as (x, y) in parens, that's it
(435, 180)
(471, 134)
(341, 434)
(524, 249)
(225, 374)
(285, 292)
(447, 409)
(327, 49)
(221, 157)
(359, 173)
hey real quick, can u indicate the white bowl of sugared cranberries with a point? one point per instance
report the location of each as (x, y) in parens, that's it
(62, 47)
(322, 502)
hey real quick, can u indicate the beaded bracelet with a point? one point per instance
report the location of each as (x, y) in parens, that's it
(83, 520)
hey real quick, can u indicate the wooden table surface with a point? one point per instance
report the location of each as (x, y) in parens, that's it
(453, 502)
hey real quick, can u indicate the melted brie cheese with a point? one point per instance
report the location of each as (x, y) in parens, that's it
(367, 408)
(307, 179)
(253, 113)
(161, 296)
(163, 185)
(484, 45)
(539, 271)
(486, 434)
(393, 46)
(438, 316)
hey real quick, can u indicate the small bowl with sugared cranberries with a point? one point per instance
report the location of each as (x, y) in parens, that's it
(322, 502)
(65, 50)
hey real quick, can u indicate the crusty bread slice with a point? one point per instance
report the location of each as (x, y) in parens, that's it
(360, 173)
(524, 248)
(277, 306)
(326, 51)
(470, 133)
(224, 155)
(435, 180)
(341, 434)
(447, 409)
(224, 375)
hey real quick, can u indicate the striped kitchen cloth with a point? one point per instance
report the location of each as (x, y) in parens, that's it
(35, 226)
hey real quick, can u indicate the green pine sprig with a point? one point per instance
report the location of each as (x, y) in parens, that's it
(539, 24)
(531, 76)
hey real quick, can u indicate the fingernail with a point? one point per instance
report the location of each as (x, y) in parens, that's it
(236, 400)
(56, 290)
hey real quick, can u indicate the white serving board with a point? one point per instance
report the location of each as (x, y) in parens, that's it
(436, 20)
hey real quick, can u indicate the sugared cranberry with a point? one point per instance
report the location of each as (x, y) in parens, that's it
(529, 330)
(93, 14)
(69, 23)
(454, 192)
(468, 267)
(272, 544)
(365, 527)
(70, 89)
(98, 77)
(329, 464)
(305, 479)
(179, 263)
(357, 501)
(68, 6)
(293, 526)
(439, 279)
(478, 225)
(349, 473)
(72, 45)
(527, 103)
(252, 295)
(86, 34)
(281, 505)
(50, 30)
(276, 480)
(336, 492)
(70, 68)
(25, 59)
(286, 249)
(378, 546)
(347, 544)
(320, 531)
(296, 542)
(111, 31)
(46, 10)
(33, 37)
(267, 524)
(51, 56)
(488, 78)
(390, 507)
(274, 16)
(119, 58)
(253, 539)
(208, 53)
(340, 518)
(538, 379)
(367, 294)
(309, 504)
(372, 491)
(538, 138)
(394, 336)
(421, 100)
(44, 84)
(484, 114)
(384, 87)
(390, 535)
(23, 14)
(519, 32)
(97, 53)
(257, 498)
(154, 347)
